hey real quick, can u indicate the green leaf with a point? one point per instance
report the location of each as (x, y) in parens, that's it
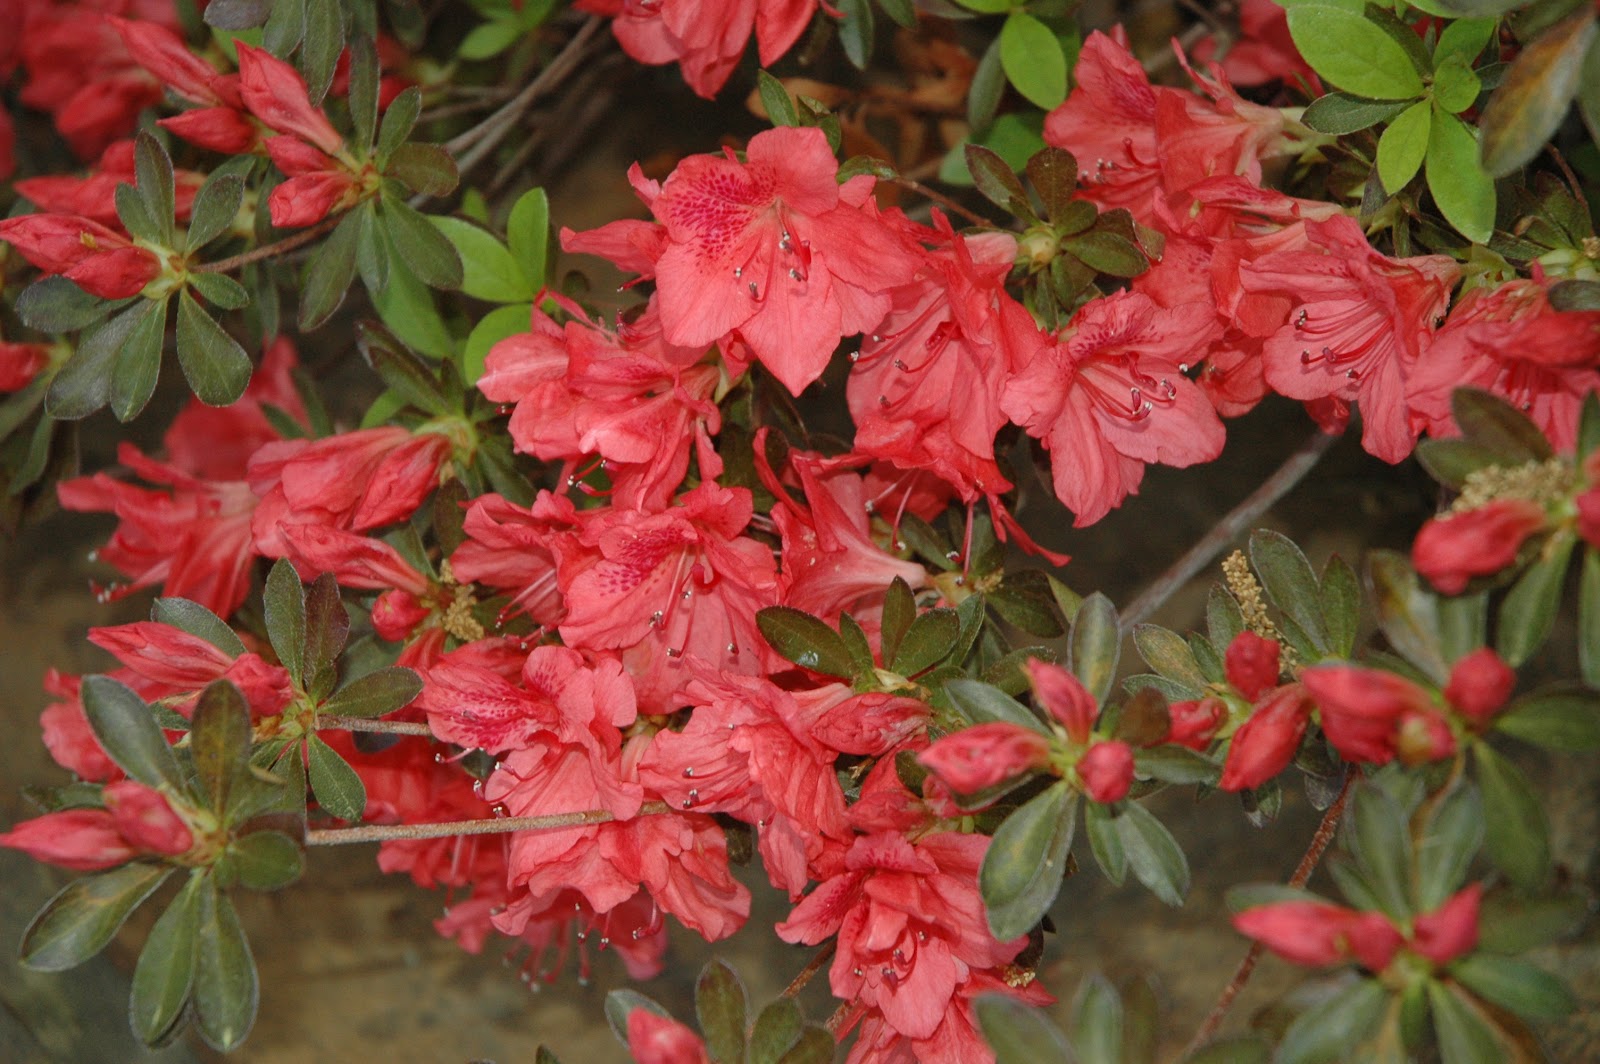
(1528, 612)
(220, 290)
(1450, 840)
(1536, 94)
(398, 120)
(377, 693)
(426, 169)
(1023, 599)
(226, 990)
(1054, 175)
(1339, 113)
(1516, 831)
(401, 371)
(489, 271)
(1455, 86)
(1451, 461)
(1097, 1022)
(406, 306)
(1589, 618)
(199, 622)
(901, 11)
(152, 170)
(1176, 764)
(815, 1046)
(1408, 615)
(899, 612)
(1352, 52)
(987, 7)
(1154, 855)
(165, 972)
(324, 41)
(1564, 718)
(1019, 1034)
(1095, 645)
(719, 1004)
(777, 101)
(997, 182)
(1167, 653)
(216, 206)
(1510, 924)
(1026, 861)
(1105, 842)
(1402, 146)
(490, 330)
(981, 703)
(128, 733)
(83, 385)
(1289, 582)
(1462, 190)
(363, 94)
(528, 234)
(285, 27)
(621, 1003)
(426, 251)
(56, 305)
(1463, 624)
(804, 640)
(1032, 58)
(85, 915)
(1107, 253)
(987, 88)
(1235, 1049)
(284, 607)
(931, 636)
(856, 31)
(1329, 1031)
(330, 271)
(1464, 39)
(777, 1028)
(489, 39)
(1490, 421)
(266, 860)
(1465, 1034)
(220, 741)
(1341, 605)
(217, 368)
(1523, 988)
(1380, 841)
(334, 783)
(1224, 619)
(133, 378)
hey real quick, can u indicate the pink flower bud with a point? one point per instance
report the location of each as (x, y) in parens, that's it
(275, 93)
(1195, 724)
(219, 129)
(20, 363)
(1266, 743)
(145, 819)
(1361, 708)
(974, 759)
(396, 613)
(309, 198)
(1107, 771)
(83, 839)
(654, 1039)
(116, 274)
(1423, 737)
(1058, 691)
(1252, 664)
(1479, 685)
(1451, 550)
(1450, 930)
(1320, 933)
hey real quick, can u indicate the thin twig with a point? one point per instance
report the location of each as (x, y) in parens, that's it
(1302, 874)
(1161, 60)
(1227, 530)
(798, 983)
(267, 251)
(452, 828)
(364, 724)
(941, 199)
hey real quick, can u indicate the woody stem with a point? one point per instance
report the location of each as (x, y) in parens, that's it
(363, 724)
(1302, 873)
(450, 828)
(267, 251)
(940, 198)
(798, 983)
(1227, 530)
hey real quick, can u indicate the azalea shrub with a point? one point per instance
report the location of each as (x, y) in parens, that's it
(758, 560)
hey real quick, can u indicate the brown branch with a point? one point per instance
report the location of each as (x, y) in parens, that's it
(798, 983)
(1228, 529)
(364, 724)
(1302, 875)
(267, 251)
(912, 185)
(452, 828)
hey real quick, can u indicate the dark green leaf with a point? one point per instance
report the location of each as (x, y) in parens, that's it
(1536, 94)
(856, 31)
(133, 378)
(815, 1046)
(528, 235)
(405, 374)
(1107, 253)
(398, 120)
(1529, 611)
(216, 366)
(363, 95)
(1492, 422)
(1019, 1034)
(777, 1029)
(1339, 113)
(1408, 615)
(1033, 60)
(1380, 841)
(426, 252)
(220, 741)
(988, 86)
(1589, 618)
(931, 636)
(899, 611)
(128, 733)
(1054, 174)
(1516, 831)
(719, 1004)
(1341, 605)
(901, 11)
(1253, 895)
(1095, 645)
(858, 647)
(266, 860)
(1097, 1022)
(1465, 1034)
(237, 14)
(1353, 53)
(334, 783)
(1289, 581)
(981, 703)
(1450, 840)
(220, 290)
(1023, 599)
(621, 1003)
(284, 606)
(1462, 190)
(1144, 719)
(56, 305)
(165, 971)
(152, 170)
(1026, 860)
(489, 271)
(994, 178)
(777, 101)
(1067, 600)
(1105, 841)
(1402, 146)
(1168, 654)
(1329, 1031)
(1463, 624)
(1576, 295)
(1176, 764)
(1564, 718)
(377, 693)
(285, 27)
(199, 622)
(1224, 620)
(1523, 988)
(1451, 461)
(78, 922)
(226, 990)
(804, 640)
(1510, 924)
(1153, 854)
(135, 215)
(83, 385)
(330, 271)
(324, 40)
(423, 168)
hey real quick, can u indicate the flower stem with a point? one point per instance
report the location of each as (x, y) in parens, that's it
(267, 251)
(799, 982)
(1302, 874)
(451, 828)
(363, 724)
(941, 199)
(1228, 529)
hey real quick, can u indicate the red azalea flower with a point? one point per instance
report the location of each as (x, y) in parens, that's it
(1251, 664)
(1480, 683)
(654, 1039)
(1320, 933)
(705, 37)
(94, 196)
(20, 364)
(985, 755)
(1106, 770)
(1266, 743)
(102, 262)
(275, 92)
(515, 549)
(1452, 550)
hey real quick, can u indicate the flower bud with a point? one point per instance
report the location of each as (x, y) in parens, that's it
(1588, 505)
(1058, 691)
(1361, 708)
(396, 613)
(1107, 771)
(1450, 930)
(145, 819)
(1319, 933)
(1479, 685)
(1195, 723)
(83, 839)
(1451, 550)
(1266, 743)
(1252, 664)
(977, 758)
(654, 1039)
(1423, 737)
